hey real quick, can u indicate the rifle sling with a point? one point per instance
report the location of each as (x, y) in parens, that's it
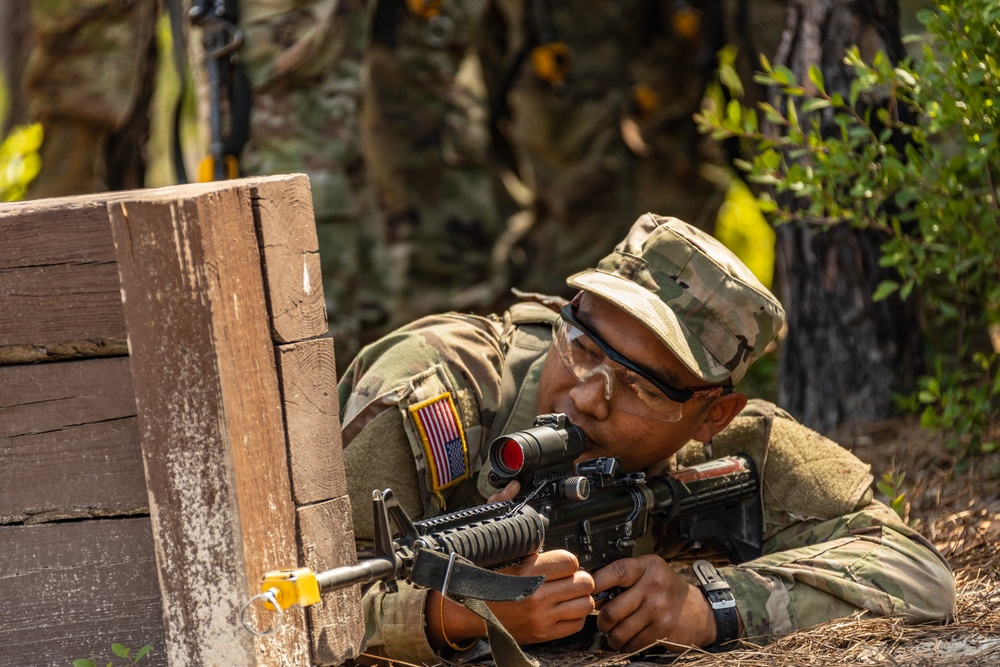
(470, 585)
(468, 580)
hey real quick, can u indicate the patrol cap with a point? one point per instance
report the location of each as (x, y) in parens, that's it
(692, 292)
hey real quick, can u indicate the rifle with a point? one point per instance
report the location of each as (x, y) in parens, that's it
(592, 509)
(228, 85)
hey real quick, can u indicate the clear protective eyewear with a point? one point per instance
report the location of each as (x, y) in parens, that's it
(627, 386)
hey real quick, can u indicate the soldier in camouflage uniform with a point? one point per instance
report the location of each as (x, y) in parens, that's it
(303, 58)
(615, 138)
(687, 319)
(426, 141)
(87, 81)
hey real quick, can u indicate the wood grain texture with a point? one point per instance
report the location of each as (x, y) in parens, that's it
(286, 227)
(70, 589)
(58, 280)
(336, 624)
(210, 419)
(69, 441)
(308, 376)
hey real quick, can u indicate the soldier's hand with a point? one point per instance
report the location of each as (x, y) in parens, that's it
(657, 604)
(557, 609)
(506, 493)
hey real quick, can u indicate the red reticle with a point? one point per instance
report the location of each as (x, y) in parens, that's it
(512, 456)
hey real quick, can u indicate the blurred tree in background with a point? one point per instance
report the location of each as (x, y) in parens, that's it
(905, 153)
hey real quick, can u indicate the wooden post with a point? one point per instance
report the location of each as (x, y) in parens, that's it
(210, 420)
(236, 395)
(286, 230)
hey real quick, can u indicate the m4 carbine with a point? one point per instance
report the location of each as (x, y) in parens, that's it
(592, 509)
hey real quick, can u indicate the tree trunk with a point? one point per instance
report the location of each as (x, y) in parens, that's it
(844, 355)
(125, 150)
(15, 45)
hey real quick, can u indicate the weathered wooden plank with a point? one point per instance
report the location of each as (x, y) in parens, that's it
(336, 625)
(45, 397)
(70, 589)
(308, 376)
(286, 227)
(69, 441)
(58, 281)
(62, 230)
(210, 420)
(59, 292)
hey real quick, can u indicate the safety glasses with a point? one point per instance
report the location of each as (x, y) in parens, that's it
(627, 386)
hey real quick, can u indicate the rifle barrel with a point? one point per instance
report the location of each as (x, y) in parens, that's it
(373, 569)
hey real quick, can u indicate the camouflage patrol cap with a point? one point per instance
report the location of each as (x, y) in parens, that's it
(692, 292)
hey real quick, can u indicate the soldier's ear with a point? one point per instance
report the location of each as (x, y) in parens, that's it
(720, 412)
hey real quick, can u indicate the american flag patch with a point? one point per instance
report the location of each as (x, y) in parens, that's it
(444, 441)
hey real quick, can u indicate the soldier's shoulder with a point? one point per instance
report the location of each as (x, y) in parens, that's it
(804, 473)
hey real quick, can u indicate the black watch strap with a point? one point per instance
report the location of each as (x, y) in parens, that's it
(720, 596)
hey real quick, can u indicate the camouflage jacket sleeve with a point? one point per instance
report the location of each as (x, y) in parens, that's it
(829, 549)
(814, 571)
(450, 363)
(395, 624)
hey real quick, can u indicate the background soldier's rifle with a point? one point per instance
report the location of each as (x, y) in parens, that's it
(228, 84)
(592, 509)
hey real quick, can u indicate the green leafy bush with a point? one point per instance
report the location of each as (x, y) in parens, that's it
(923, 169)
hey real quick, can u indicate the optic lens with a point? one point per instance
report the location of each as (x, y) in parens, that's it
(512, 456)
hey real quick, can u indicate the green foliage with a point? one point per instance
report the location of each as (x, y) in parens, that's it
(891, 486)
(911, 150)
(119, 650)
(19, 161)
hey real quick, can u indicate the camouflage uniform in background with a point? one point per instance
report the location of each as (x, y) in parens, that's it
(426, 143)
(619, 140)
(303, 58)
(88, 82)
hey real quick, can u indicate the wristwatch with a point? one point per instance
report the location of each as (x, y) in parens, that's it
(720, 596)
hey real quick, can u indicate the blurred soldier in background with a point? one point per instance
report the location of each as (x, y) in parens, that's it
(502, 136)
(425, 131)
(88, 81)
(596, 98)
(303, 58)
(376, 101)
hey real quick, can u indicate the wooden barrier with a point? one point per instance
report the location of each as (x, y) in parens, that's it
(142, 497)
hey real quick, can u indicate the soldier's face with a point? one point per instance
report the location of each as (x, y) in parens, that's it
(638, 441)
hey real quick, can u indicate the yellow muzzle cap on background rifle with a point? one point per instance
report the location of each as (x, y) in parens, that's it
(206, 168)
(550, 62)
